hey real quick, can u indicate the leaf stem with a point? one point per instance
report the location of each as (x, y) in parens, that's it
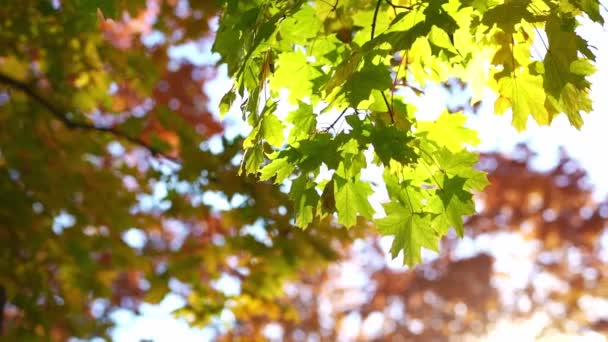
(404, 58)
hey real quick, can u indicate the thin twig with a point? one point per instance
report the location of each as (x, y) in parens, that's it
(375, 18)
(390, 109)
(337, 119)
(413, 87)
(404, 58)
(399, 6)
(58, 113)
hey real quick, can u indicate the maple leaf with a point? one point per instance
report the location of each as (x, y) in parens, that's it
(272, 130)
(449, 131)
(362, 82)
(411, 230)
(564, 73)
(294, 66)
(279, 167)
(461, 164)
(391, 143)
(525, 95)
(305, 199)
(351, 199)
(253, 158)
(304, 122)
(300, 26)
(455, 203)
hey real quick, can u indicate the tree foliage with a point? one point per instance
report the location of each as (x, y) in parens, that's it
(111, 190)
(365, 60)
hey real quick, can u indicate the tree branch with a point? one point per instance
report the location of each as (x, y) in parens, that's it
(59, 114)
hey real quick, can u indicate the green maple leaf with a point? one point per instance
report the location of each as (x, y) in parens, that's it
(562, 52)
(303, 120)
(351, 199)
(592, 8)
(449, 131)
(391, 143)
(353, 159)
(455, 203)
(440, 38)
(279, 167)
(300, 26)
(229, 38)
(462, 164)
(305, 199)
(272, 130)
(343, 71)
(351, 166)
(411, 230)
(572, 101)
(361, 83)
(564, 72)
(506, 16)
(582, 67)
(315, 152)
(525, 94)
(295, 73)
(226, 102)
(253, 158)
(323, 56)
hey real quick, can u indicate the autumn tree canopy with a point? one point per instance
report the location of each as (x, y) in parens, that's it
(110, 189)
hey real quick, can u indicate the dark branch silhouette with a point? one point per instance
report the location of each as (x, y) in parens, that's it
(375, 19)
(59, 114)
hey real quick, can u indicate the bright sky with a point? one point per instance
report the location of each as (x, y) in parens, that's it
(586, 146)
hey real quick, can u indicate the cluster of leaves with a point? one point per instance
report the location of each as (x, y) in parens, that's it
(365, 60)
(105, 175)
(555, 269)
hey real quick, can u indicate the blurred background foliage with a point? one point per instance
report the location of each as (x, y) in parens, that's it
(105, 174)
(111, 192)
